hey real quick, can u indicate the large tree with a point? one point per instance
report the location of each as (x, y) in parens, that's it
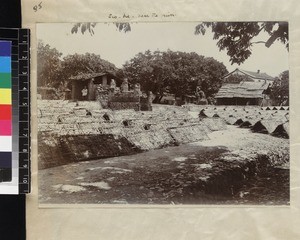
(174, 72)
(49, 65)
(280, 89)
(149, 70)
(75, 64)
(53, 70)
(237, 38)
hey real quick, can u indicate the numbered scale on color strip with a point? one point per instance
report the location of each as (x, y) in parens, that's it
(24, 111)
(20, 72)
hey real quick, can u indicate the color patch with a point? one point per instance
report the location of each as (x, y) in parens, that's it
(5, 96)
(5, 143)
(5, 49)
(5, 80)
(5, 64)
(5, 112)
(5, 159)
(5, 128)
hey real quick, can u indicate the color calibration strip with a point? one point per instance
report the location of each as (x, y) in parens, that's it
(20, 88)
(5, 112)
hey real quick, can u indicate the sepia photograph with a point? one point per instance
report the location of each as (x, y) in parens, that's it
(163, 113)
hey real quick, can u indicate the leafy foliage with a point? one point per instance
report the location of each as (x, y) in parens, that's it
(123, 27)
(174, 72)
(49, 65)
(85, 63)
(280, 89)
(83, 27)
(52, 71)
(178, 73)
(237, 37)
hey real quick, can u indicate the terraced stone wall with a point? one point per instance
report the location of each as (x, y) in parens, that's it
(57, 150)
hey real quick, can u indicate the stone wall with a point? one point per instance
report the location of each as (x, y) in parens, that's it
(70, 133)
(124, 100)
(124, 105)
(57, 150)
(124, 97)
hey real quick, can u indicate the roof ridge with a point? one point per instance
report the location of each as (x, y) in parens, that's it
(258, 73)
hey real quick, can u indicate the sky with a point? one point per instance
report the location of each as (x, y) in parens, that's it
(119, 47)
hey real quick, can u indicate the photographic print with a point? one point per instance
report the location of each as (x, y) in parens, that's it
(163, 113)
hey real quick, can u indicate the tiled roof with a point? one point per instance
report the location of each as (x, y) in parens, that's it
(258, 75)
(255, 75)
(242, 90)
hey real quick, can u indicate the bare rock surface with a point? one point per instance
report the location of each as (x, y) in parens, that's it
(235, 166)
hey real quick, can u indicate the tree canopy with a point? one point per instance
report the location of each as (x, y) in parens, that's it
(177, 72)
(161, 72)
(237, 38)
(49, 65)
(75, 64)
(53, 70)
(280, 89)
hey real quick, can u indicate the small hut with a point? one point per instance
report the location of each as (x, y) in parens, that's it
(92, 81)
(244, 93)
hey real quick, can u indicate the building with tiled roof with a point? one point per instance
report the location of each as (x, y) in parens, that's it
(242, 87)
(257, 76)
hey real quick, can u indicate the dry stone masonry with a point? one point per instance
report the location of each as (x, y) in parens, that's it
(71, 132)
(76, 132)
